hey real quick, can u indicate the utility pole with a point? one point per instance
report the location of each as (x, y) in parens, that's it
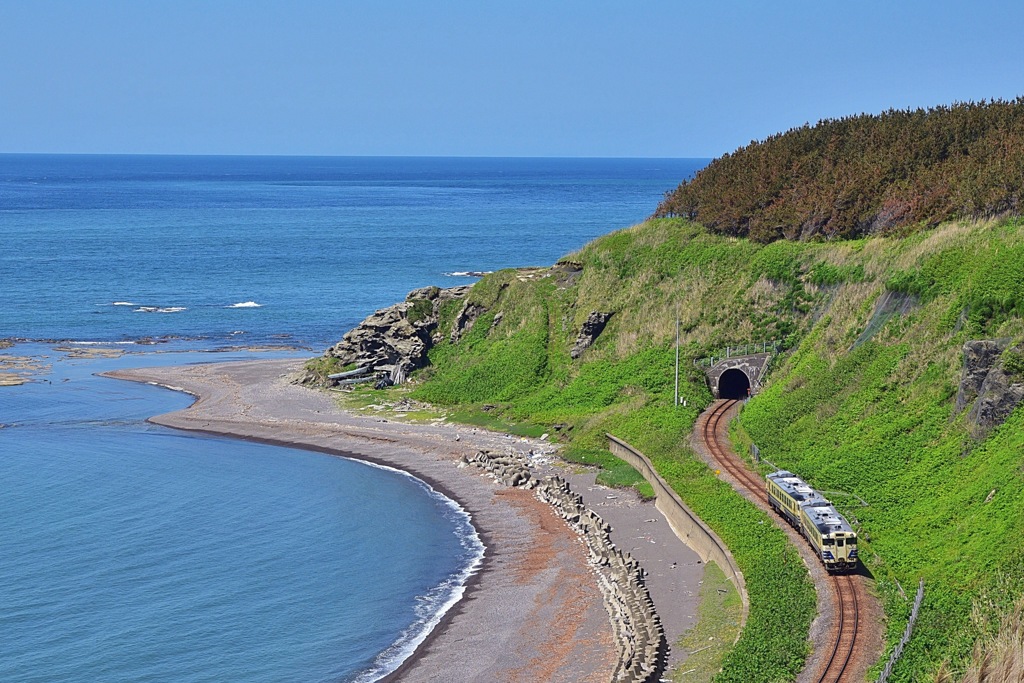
(677, 358)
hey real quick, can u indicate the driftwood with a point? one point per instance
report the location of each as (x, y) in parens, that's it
(354, 380)
(350, 373)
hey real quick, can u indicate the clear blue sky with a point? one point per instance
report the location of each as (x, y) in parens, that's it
(682, 78)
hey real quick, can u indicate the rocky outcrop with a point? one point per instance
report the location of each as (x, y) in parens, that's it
(639, 635)
(992, 392)
(979, 358)
(394, 340)
(592, 327)
(467, 316)
(998, 397)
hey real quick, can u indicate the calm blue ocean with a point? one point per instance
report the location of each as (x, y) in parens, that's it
(130, 552)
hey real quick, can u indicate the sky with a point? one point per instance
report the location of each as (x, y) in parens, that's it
(650, 78)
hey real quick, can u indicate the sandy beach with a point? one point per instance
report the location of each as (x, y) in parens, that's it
(534, 611)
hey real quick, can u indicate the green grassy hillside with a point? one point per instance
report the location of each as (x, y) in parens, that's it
(861, 400)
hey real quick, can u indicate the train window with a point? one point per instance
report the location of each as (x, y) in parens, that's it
(828, 541)
(839, 542)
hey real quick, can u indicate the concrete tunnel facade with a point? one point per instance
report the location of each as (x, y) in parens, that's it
(737, 377)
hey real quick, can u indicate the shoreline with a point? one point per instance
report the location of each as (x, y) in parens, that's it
(532, 609)
(483, 565)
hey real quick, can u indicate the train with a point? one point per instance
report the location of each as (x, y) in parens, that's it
(828, 532)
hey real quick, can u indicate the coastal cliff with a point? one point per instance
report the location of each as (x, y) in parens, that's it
(895, 385)
(862, 399)
(393, 341)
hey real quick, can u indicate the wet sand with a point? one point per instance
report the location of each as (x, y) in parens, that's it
(534, 611)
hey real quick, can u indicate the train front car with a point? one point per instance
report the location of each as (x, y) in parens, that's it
(830, 535)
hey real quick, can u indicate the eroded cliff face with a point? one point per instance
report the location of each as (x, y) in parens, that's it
(592, 327)
(393, 341)
(985, 384)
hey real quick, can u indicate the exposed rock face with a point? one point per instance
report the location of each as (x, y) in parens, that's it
(994, 393)
(979, 357)
(592, 327)
(395, 339)
(567, 273)
(997, 399)
(467, 316)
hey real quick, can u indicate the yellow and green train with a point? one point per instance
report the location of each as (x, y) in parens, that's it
(828, 532)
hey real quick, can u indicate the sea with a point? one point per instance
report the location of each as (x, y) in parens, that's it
(133, 552)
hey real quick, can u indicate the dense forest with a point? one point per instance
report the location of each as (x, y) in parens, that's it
(864, 174)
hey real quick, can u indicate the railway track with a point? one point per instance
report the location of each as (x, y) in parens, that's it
(714, 438)
(846, 588)
(846, 630)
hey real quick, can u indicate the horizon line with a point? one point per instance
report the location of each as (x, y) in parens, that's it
(338, 156)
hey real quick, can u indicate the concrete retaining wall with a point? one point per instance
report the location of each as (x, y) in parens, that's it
(639, 636)
(690, 529)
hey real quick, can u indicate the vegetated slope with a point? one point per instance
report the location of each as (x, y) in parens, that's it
(862, 401)
(866, 404)
(864, 174)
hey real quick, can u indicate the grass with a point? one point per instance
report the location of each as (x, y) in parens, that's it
(614, 472)
(708, 642)
(393, 402)
(999, 655)
(867, 414)
(480, 418)
(877, 420)
(327, 365)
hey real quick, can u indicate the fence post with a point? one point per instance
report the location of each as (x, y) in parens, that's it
(898, 651)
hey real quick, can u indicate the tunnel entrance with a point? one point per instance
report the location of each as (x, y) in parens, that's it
(733, 384)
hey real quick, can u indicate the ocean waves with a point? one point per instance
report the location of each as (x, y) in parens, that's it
(147, 308)
(431, 606)
(467, 273)
(160, 309)
(309, 567)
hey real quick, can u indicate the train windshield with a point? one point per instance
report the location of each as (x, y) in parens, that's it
(828, 541)
(839, 542)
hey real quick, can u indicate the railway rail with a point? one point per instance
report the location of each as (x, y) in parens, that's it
(840, 663)
(846, 629)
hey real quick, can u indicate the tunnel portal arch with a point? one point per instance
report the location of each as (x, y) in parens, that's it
(744, 372)
(733, 383)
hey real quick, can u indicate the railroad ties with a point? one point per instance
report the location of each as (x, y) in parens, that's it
(845, 631)
(845, 588)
